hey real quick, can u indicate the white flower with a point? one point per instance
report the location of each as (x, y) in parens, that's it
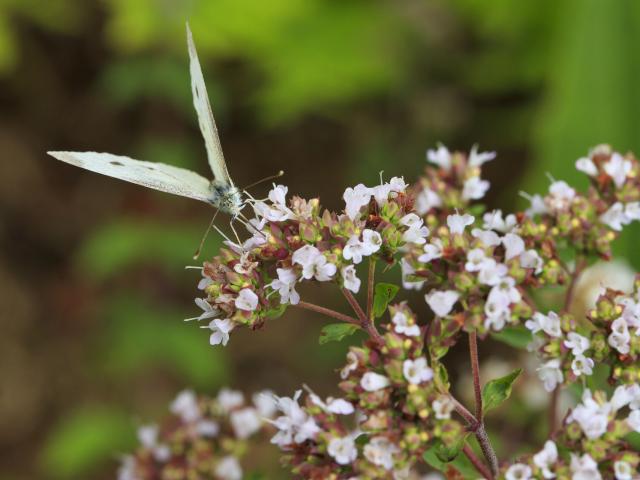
(496, 308)
(207, 310)
(185, 405)
(220, 330)
(440, 157)
(620, 398)
(513, 245)
(632, 211)
(372, 241)
(577, 343)
(382, 192)
(586, 165)
(294, 426)
(477, 159)
(407, 271)
(619, 338)
(443, 406)
(343, 450)
(475, 260)
(230, 399)
(592, 417)
(417, 371)
(355, 198)
(531, 259)
(380, 451)
(278, 210)
(228, 468)
(148, 437)
(582, 365)
(549, 324)
(537, 207)
(265, 403)
(491, 272)
(615, 218)
(546, 458)
(127, 469)
(426, 200)
(493, 221)
(352, 364)
(518, 471)
(488, 237)
(314, 263)
(584, 468)
(372, 381)
(401, 325)
(623, 470)
(474, 188)
(457, 223)
(634, 420)
(618, 168)
(350, 279)
(432, 251)
(207, 428)
(354, 250)
(245, 422)
(634, 392)
(560, 196)
(550, 374)
(285, 285)
(339, 406)
(417, 232)
(247, 300)
(442, 301)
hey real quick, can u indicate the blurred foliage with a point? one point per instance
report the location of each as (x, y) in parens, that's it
(114, 247)
(87, 438)
(141, 335)
(540, 82)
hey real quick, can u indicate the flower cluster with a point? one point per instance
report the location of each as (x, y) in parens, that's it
(392, 412)
(203, 438)
(293, 242)
(478, 272)
(592, 441)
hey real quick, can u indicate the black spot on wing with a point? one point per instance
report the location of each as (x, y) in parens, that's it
(118, 164)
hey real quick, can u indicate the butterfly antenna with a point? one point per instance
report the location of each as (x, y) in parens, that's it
(266, 179)
(204, 237)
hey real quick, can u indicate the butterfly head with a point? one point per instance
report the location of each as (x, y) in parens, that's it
(226, 197)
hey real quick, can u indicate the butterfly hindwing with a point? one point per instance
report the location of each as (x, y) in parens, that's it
(205, 117)
(158, 176)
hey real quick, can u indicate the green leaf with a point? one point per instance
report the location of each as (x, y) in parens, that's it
(448, 453)
(334, 332)
(461, 463)
(86, 439)
(385, 292)
(634, 440)
(498, 390)
(517, 337)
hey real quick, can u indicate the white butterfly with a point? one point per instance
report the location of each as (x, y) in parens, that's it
(220, 192)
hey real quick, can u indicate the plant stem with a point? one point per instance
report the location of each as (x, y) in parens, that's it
(475, 369)
(370, 288)
(328, 312)
(581, 263)
(365, 323)
(477, 463)
(487, 449)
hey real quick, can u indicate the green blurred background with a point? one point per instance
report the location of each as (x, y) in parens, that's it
(92, 285)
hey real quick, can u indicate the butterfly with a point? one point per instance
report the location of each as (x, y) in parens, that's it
(219, 192)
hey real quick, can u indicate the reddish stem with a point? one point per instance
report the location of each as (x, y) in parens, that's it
(328, 312)
(370, 288)
(477, 463)
(475, 369)
(365, 323)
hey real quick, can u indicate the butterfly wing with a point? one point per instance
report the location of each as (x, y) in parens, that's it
(158, 176)
(205, 117)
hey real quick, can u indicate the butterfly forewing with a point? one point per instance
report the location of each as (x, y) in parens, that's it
(205, 117)
(158, 176)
